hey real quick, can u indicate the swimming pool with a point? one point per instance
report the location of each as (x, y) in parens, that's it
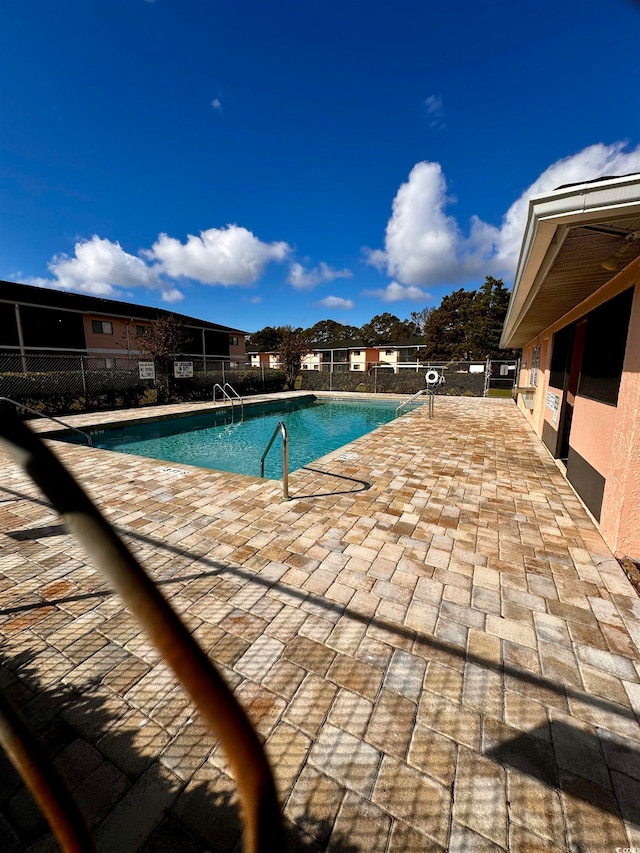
(211, 440)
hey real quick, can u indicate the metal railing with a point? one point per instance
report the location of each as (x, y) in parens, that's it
(230, 397)
(282, 429)
(47, 417)
(413, 399)
(233, 394)
(220, 709)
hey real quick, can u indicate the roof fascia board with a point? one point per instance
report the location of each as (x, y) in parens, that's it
(551, 216)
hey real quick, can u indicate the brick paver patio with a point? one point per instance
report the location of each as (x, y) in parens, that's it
(439, 651)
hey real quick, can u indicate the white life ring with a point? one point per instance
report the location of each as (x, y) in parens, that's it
(431, 377)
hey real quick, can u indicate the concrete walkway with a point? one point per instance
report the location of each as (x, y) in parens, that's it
(436, 645)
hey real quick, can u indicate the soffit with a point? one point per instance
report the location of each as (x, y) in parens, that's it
(576, 273)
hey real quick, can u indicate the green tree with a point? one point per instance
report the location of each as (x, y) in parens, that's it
(267, 339)
(293, 347)
(419, 319)
(329, 331)
(491, 303)
(468, 323)
(385, 329)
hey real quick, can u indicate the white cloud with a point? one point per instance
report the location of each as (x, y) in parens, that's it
(229, 256)
(216, 103)
(99, 267)
(337, 302)
(425, 246)
(255, 300)
(303, 279)
(395, 292)
(435, 112)
(421, 240)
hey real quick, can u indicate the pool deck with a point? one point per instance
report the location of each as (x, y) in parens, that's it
(434, 641)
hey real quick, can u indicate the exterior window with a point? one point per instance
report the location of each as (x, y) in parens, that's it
(356, 367)
(102, 327)
(141, 331)
(535, 365)
(234, 340)
(388, 352)
(356, 352)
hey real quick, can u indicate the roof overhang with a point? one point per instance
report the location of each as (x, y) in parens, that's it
(568, 235)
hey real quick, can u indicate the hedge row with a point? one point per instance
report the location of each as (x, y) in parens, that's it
(407, 382)
(64, 393)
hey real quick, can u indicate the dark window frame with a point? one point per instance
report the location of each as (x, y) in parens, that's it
(98, 327)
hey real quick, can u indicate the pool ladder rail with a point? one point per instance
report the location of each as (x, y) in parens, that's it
(48, 417)
(428, 391)
(282, 429)
(228, 392)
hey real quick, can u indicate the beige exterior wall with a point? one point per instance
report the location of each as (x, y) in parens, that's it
(237, 350)
(121, 342)
(606, 436)
(311, 361)
(358, 360)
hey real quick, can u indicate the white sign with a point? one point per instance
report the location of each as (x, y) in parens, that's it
(553, 403)
(146, 370)
(183, 369)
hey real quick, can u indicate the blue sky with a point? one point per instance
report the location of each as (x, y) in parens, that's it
(259, 163)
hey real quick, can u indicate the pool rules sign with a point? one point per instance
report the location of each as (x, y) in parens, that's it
(183, 369)
(146, 370)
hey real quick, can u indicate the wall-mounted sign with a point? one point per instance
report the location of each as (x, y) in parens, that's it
(146, 370)
(553, 403)
(183, 369)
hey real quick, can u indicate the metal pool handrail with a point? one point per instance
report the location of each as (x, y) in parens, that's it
(227, 396)
(213, 698)
(233, 391)
(282, 429)
(49, 417)
(419, 393)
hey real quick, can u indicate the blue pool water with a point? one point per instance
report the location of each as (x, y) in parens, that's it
(210, 440)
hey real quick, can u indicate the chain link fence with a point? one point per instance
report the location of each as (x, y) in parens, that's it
(459, 378)
(66, 383)
(61, 384)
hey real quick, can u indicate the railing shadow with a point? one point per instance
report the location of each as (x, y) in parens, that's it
(553, 764)
(128, 775)
(217, 567)
(362, 483)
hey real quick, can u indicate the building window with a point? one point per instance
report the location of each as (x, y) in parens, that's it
(356, 352)
(234, 340)
(356, 367)
(535, 365)
(388, 352)
(605, 346)
(102, 327)
(141, 331)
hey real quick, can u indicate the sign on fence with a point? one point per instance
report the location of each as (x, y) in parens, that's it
(183, 369)
(146, 370)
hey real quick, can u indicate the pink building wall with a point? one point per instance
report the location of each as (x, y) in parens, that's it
(607, 437)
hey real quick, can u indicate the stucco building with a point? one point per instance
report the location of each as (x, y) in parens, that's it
(39, 320)
(575, 312)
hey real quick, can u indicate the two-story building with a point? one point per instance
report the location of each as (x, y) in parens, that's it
(39, 320)
(342, 356)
